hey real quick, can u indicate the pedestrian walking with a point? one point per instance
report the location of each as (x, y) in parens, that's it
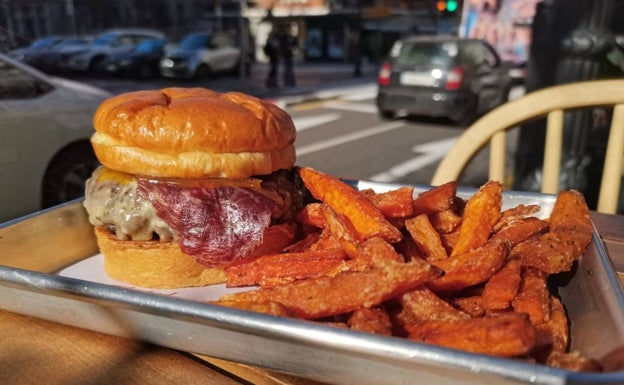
(272, 50)
(288, 49)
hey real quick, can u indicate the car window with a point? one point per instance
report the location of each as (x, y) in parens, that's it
(44, 42)
(428, 53)
(19, 84)
(149, 46)
(489, 56)
(192, 42)
(222, 41)
(127, 40)
(478, 54)
(105, 39)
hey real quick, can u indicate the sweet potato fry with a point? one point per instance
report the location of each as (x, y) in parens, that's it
(327, 296)
(371, 320)
(408, 249)
(571, 212)
(275, 239)
(507, 335)
(304, 244)
(426, 237)
(470, 268)
(377, 252)
(341, 230)
(514, 213)
(480, 214)
(570, 234)
(470, 305)
(274, 269)
(270, 308)
(573, 361)
(445, 221)
(533, 298)
(436, 199)
(325, 241)
(449, 241)
(397, 203)
(553, 335)
(520, 230)
(311, 214)
(421, 304)
(502, 287)
(345, 200)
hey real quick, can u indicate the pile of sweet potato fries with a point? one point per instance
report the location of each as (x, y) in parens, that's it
(434, 268)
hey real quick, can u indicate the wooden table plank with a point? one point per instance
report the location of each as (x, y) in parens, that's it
(36, 351)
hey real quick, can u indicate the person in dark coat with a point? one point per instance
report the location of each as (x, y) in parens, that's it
(272, 50)
(288, 47)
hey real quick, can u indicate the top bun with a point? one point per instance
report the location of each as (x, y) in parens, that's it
(193, 133)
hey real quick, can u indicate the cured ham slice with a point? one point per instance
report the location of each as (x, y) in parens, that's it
(216, 225)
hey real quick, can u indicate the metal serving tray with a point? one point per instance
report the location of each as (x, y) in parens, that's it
(39, 254)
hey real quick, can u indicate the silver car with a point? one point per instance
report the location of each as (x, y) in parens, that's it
(442, 76)
(201, 55)
(45, 126)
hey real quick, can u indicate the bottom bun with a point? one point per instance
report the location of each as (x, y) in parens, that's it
(153, 264)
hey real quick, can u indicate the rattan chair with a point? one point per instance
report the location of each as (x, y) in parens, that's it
(550, 103)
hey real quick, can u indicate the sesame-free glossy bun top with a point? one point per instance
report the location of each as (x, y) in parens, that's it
(193, 133)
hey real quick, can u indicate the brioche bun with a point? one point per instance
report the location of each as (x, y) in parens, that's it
(153, 264)
(193, 133)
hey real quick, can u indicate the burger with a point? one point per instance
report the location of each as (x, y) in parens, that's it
(190, 181)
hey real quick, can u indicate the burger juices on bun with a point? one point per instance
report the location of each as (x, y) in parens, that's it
(190, 181)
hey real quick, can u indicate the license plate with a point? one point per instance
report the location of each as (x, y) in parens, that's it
(410, 78)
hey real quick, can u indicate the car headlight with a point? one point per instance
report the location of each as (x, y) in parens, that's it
(166, 63)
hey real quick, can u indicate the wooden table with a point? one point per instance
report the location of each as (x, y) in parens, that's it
(34, 351)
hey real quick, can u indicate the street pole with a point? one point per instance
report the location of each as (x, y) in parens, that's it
(243, 32)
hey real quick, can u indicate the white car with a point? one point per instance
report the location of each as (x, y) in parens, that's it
(45, 126)
(94, 56)
(201, 55)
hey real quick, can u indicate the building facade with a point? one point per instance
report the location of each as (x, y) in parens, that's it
(339, 30)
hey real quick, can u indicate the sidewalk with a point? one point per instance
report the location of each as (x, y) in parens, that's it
(314, 81)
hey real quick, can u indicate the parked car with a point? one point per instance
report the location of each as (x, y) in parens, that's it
(44, 138)
(93, 57)
(441, 76)
(201, 55)
(142, 62)
(47, 60)
(43, 43)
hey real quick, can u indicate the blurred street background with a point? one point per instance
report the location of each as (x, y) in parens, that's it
(378, 89)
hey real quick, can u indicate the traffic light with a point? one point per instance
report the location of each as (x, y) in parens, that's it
(447, 7)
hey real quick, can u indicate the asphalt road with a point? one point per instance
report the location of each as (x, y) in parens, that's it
(345, 137)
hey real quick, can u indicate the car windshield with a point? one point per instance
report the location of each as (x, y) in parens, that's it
(194, 41)
(427, 53)
(148, 46)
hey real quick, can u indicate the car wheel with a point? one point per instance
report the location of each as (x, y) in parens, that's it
(97, 64)
(203, 72)
(386, 114)
(146, 72)
(66, 174)
(470, 113)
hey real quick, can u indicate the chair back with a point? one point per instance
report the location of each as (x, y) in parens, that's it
(551, 103)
